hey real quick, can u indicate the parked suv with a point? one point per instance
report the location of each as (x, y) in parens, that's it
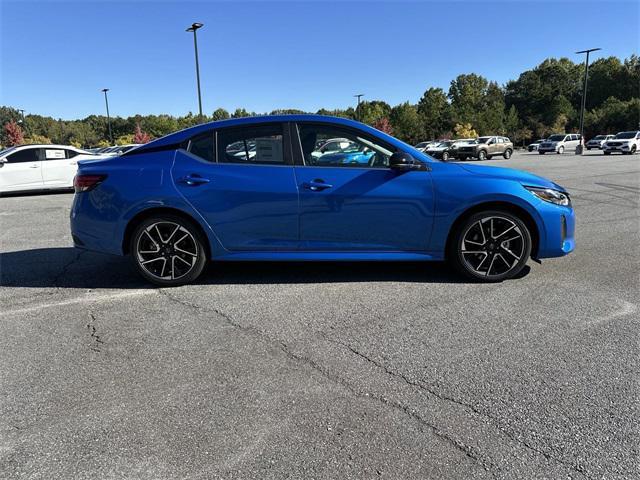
(559, 142)
(486, 147)
(598, 141)
(626, 143)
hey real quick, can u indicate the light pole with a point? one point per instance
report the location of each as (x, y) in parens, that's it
(106, 102)
(584, 97)
(193, 28)
(358, 96)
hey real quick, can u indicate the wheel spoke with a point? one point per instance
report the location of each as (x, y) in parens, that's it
(159, 234)
(506, 231)
(493, 258)
(152, 260)
(173, 233)
(484, 238)
(176, 257)
(510, 253)
(151, 238)
(164, 265)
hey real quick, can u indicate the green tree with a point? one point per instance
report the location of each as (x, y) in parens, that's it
(405, 122)
(467, 94)
(373, 111)
(434, 113)
(220, 114)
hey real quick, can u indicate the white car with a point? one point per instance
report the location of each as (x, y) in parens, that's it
(626, 143)
(533, 147)
(598, 141)
(119, 149)
(559, 143)
(424, 146)
(39, 167)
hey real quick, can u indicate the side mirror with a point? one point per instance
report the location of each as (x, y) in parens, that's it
(403, 162)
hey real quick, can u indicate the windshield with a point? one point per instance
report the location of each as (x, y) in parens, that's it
(6, 150)
(556, 138)
(626, 135)
(422, 144)
(599, 137)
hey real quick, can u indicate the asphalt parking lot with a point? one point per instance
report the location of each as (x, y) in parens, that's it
(326, 370)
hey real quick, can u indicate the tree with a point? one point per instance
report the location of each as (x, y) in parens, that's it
(220, 114)
(240, 112)
(467, 94)
(490, 120)
(405, 122)
(464, 130)
(435, 113)
(373, 111)
(139, 136)
(512, 122)
(35, 138)
(383, 125)
(13, 134)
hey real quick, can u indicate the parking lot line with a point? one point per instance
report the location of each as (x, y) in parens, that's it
(75, 301)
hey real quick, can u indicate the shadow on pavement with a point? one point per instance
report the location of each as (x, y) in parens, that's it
(73, 268)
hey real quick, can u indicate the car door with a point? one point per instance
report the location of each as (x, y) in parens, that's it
(21, 171)
(248, 196)
(348, 206)
(58, 167)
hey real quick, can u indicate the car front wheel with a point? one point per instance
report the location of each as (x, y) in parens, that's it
(445, 156)
(561, 150)
(482, 155)
(491, 246)
(168, 250)
(507, 154)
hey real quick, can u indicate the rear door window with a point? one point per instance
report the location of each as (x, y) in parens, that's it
(261, 145)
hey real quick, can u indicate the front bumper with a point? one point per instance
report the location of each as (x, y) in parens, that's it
(559, 225)
(548, 149)
(617, 148)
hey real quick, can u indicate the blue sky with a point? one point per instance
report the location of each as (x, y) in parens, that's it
(56, 56)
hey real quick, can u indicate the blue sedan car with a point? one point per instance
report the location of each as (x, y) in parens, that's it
(252, 189)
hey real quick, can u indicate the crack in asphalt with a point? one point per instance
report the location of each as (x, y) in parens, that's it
(422, 386)
(96, 340)
(467, 450)
(66, 267)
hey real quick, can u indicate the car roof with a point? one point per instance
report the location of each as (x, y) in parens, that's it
(51, 145)
(178, 137)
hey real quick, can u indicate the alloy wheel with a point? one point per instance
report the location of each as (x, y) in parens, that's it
(493, 246)
(167, 250)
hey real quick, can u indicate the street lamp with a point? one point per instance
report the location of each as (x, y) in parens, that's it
(193, 28)
(358, 96)
(106, 102)
(584, 97)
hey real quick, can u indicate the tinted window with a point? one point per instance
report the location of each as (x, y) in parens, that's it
(71, 153)
(202, 146)
(26, 155)
(260, 145)
(357, 149)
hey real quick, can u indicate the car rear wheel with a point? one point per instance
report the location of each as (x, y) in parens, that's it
(541, 153)
(168, 250)
(560, 150)
(491, 246)
(507, 154)
(482, 155)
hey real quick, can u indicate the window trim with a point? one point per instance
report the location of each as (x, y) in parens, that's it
(299, 157)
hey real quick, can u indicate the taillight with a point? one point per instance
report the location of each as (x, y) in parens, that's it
(86, 182)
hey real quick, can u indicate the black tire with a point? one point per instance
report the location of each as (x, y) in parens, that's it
(541, 153)
(445, 156)
(482, 155)
(560, 150)
(633, 150)
(172, 240)
(588, 148)
(511, 257)
(507, 154)
(606, 153)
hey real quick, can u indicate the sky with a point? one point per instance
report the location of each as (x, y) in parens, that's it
(56, 56)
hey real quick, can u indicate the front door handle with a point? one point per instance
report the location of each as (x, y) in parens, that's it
(193, 180)
(317, 185)
(34, 166)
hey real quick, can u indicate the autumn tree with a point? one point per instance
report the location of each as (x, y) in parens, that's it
(383, 125)
(13, 134)
(139, 136)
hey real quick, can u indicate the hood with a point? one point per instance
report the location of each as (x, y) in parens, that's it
(525, 178)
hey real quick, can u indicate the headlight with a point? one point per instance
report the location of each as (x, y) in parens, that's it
(551, 195)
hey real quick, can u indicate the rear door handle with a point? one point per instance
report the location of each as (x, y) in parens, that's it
(316, 185)
(34, 166)
(193, 180)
